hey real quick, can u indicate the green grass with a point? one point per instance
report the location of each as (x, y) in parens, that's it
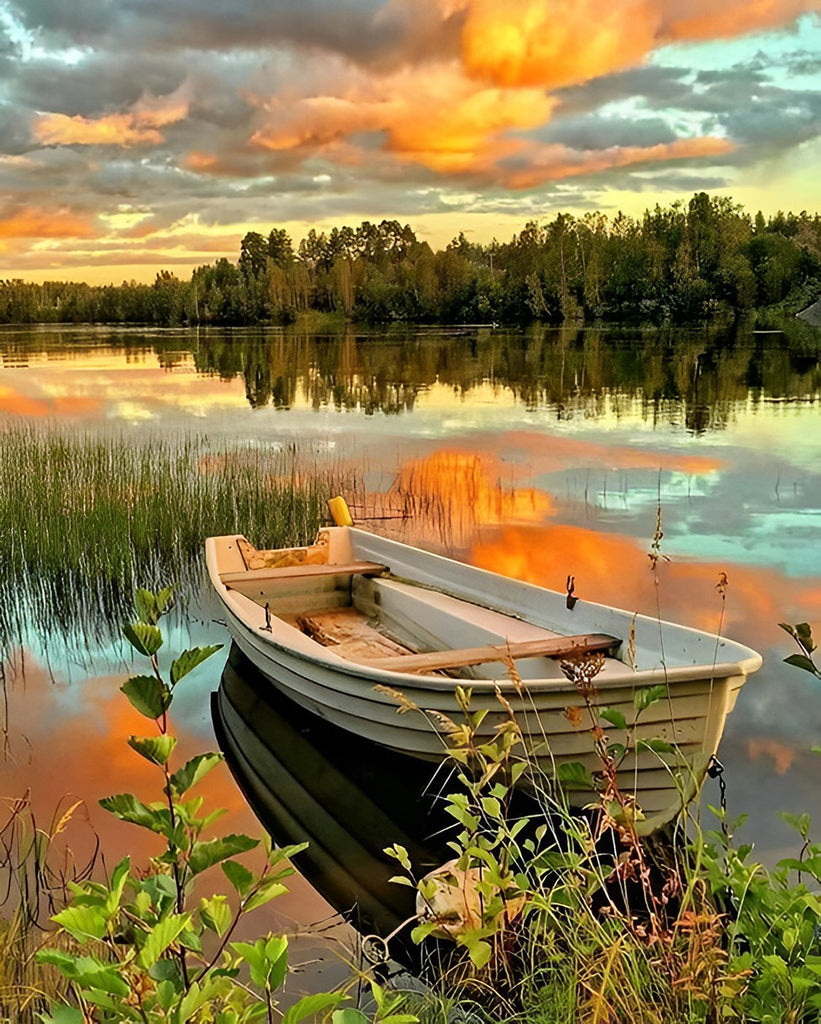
(87, 518)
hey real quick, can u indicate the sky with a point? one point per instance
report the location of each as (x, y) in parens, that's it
(138, 135)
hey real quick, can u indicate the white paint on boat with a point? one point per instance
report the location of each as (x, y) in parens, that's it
(432, 603)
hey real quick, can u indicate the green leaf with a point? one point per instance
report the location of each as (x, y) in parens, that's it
(191, 940)
(143, 638)
(62, 1014)
(215, 913)
(480, 952)
(238, 875)
(205, 855)
(189, 660)
(160, 889)
(83, 923)
(267, 959)
(657, 746)
(573, 774)
(149, 695)
(800, 661)
(280, 853)
(119, 877)
(398, 853)
(800, 822)
(156, 749)
(167, 970)
(194, 998)
(103, 977)
(268, 890)
(801, 632)
(648, 695)
(349, 1016)
(309, 1006)
(87, 971)
(192, 771)
(491, 806)
(127, 807)
(166, 994)
(614, 717)
(276, 954)
(422, 931)
(151, 606)
(160, 938)
(64, 962)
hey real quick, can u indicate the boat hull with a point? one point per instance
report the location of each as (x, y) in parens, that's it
(409, 713)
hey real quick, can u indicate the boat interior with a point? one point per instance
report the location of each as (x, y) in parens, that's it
(367, 615)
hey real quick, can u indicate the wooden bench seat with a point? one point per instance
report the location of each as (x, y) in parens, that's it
(552, 647)
(303, 571)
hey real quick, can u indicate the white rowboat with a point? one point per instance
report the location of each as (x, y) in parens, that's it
(337, 624)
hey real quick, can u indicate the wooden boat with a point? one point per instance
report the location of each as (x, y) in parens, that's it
(344, 624)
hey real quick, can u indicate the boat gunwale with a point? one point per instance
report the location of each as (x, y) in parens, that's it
(324, 657)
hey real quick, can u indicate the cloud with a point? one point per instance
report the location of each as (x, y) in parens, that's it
(705, 19)
(463, 135)
(516, 43)
(553, 162)
(567, 42)
(318, 110)
(43, 223)
(138, 126)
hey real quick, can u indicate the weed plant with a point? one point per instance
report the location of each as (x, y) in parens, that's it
(150, 944)
(568, 916)
(88, 518)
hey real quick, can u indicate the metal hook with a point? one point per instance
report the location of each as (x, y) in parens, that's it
(375, 948)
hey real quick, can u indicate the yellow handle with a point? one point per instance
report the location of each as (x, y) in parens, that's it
(340, 513)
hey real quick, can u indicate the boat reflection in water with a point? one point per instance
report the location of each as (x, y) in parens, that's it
(308, 781)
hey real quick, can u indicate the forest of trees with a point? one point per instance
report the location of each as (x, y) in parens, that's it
(684, 264)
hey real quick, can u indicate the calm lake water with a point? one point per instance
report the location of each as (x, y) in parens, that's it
(536, 454)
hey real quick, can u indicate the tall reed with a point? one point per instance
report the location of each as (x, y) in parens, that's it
(87, 517)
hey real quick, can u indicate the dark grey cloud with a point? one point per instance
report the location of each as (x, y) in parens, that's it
(597, 131)
(15, 132)
(665, 85)
(102, 82)
(367, 32)
(742, 103)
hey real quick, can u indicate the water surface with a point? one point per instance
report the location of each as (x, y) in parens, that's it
(541, 454)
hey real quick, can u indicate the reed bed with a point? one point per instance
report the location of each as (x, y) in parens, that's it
(89, 517)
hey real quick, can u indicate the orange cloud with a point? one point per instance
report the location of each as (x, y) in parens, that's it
(563, 452)
(21, 405)
(614, 570)
(31, 223)
(783, 756)
(552, 163)
(461, 135)
(459, 491)
(527, 42)
(708, 20)
(477, 132)
(138, 126)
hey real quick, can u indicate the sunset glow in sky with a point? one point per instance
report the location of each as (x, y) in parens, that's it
(137, 135)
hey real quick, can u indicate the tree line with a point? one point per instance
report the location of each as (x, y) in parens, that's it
(684, 263)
